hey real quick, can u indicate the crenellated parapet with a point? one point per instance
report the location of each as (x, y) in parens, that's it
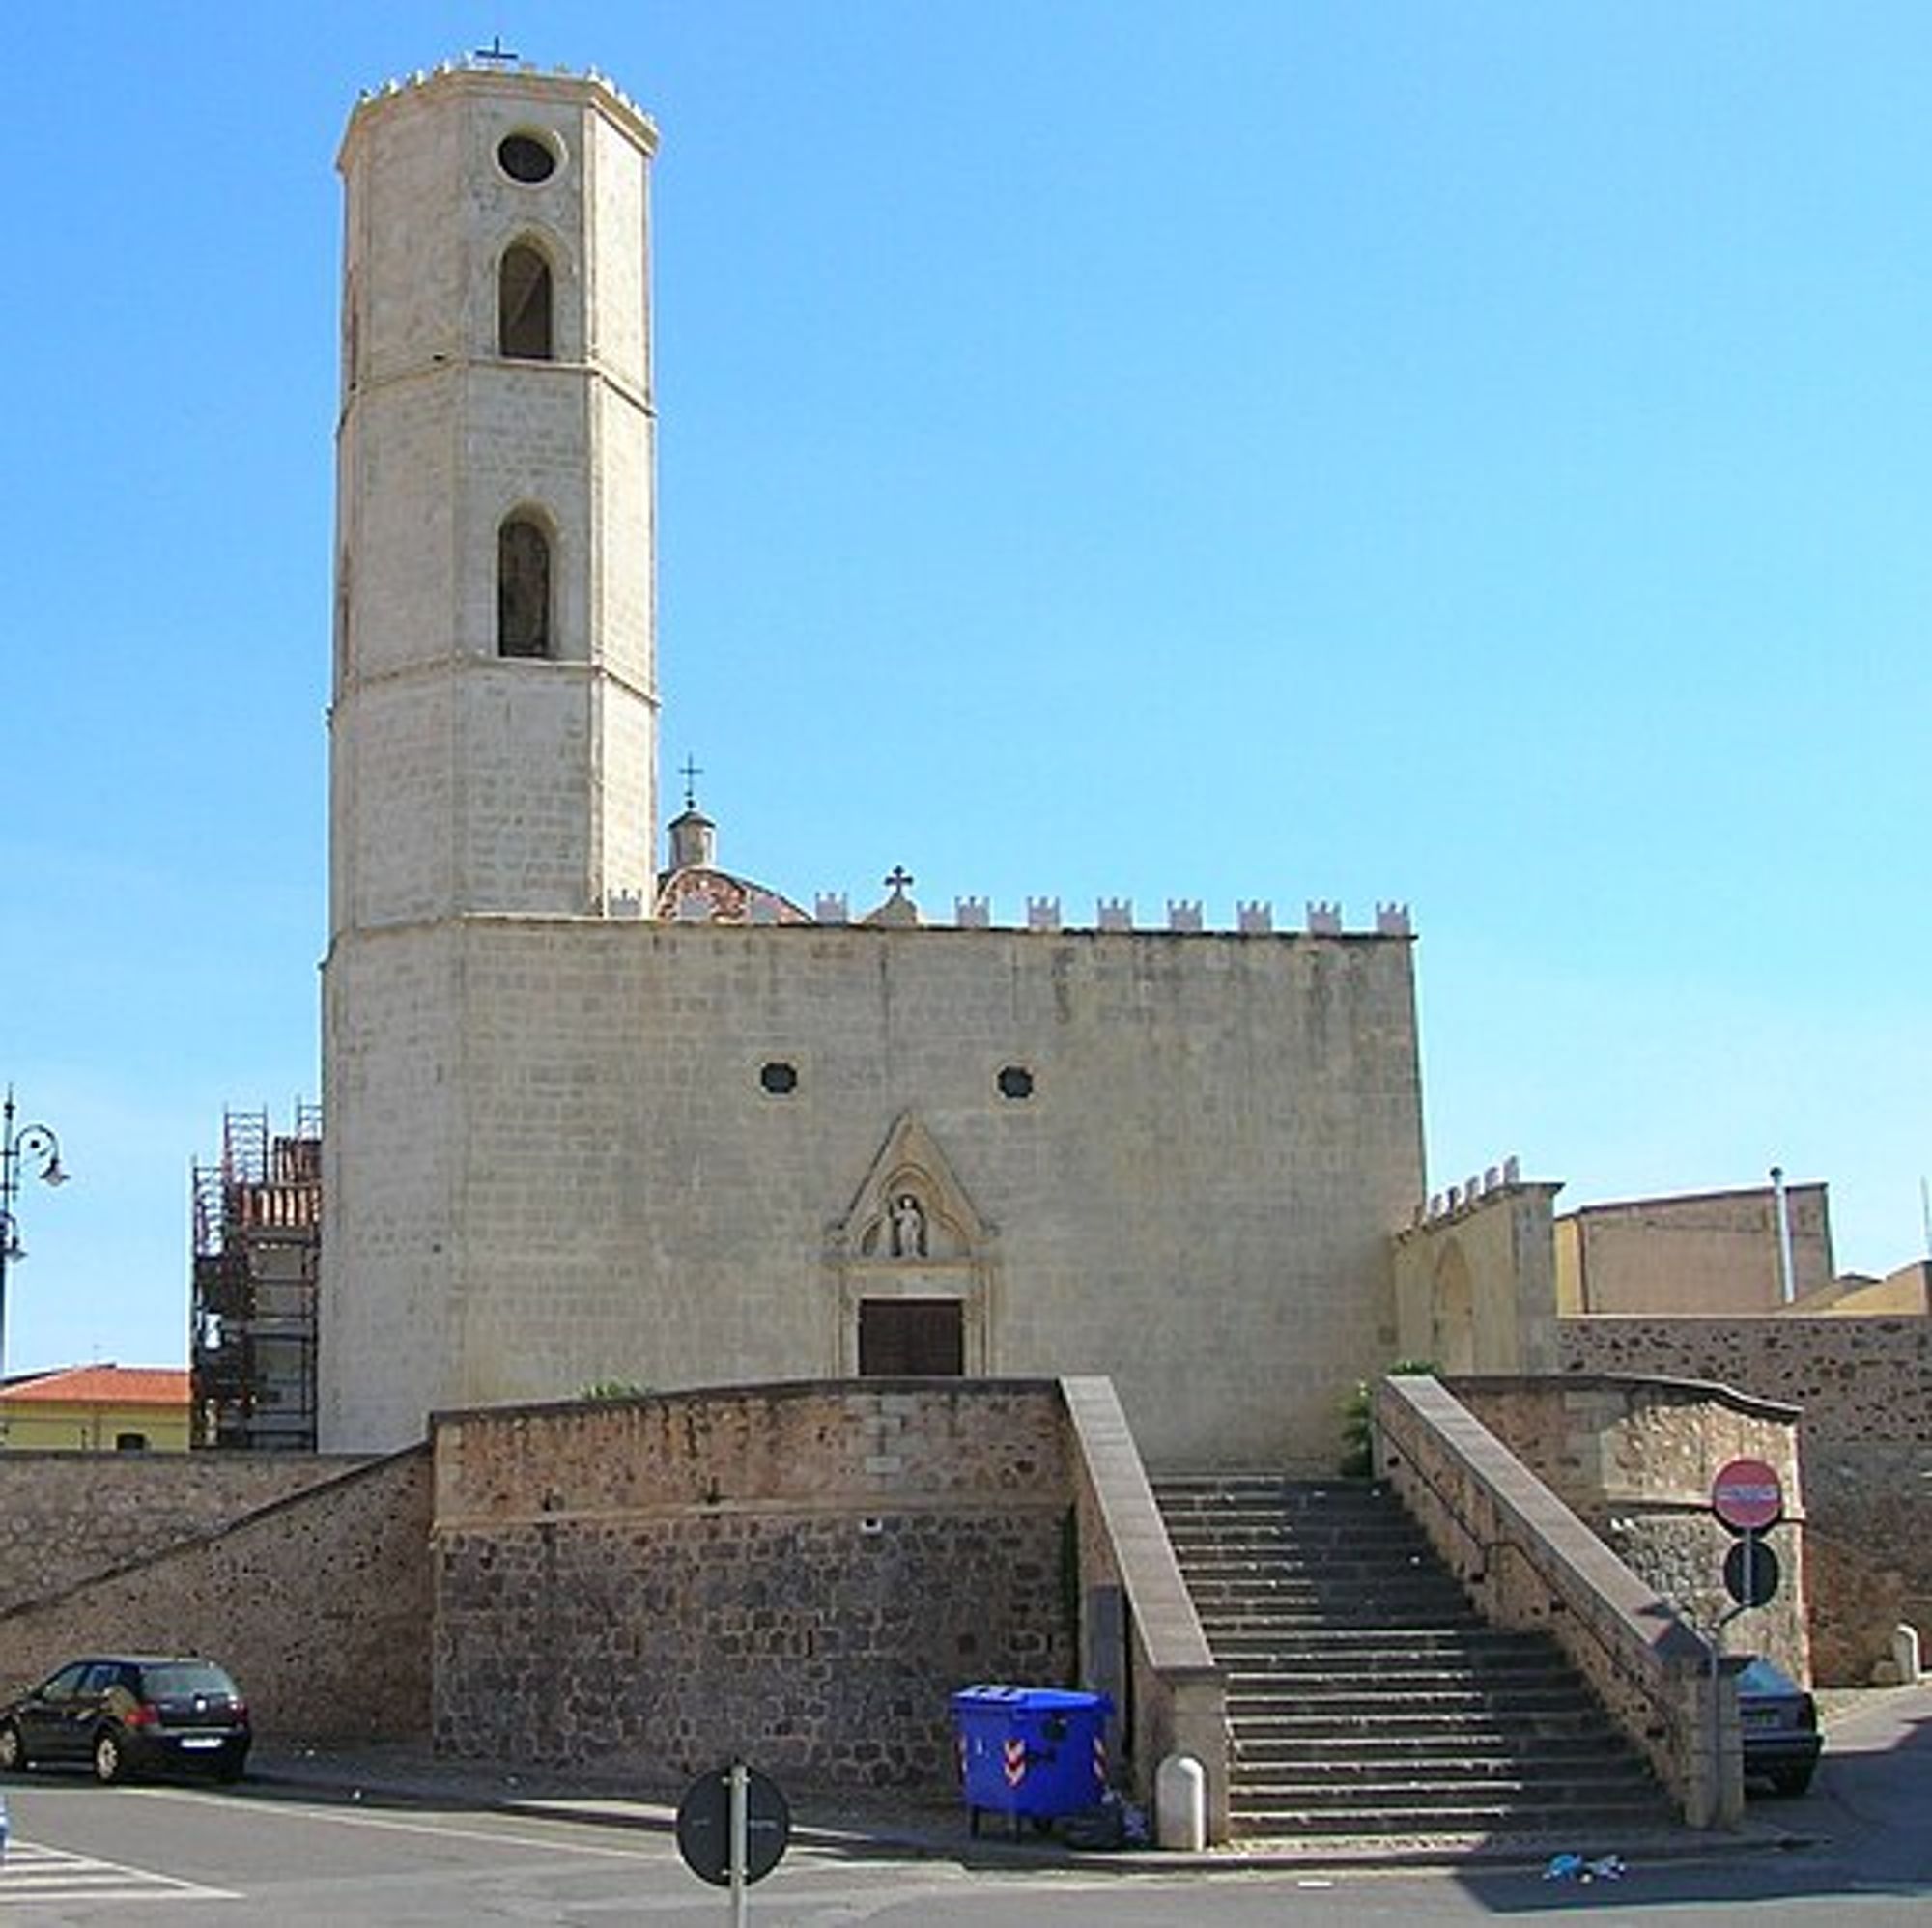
(1253, 917)
(1457, 1200)
(493, 61)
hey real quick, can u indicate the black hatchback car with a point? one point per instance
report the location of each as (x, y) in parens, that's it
(1781, 1740)
(129, 1713)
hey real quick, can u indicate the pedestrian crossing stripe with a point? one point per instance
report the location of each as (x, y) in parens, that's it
(31, 1874)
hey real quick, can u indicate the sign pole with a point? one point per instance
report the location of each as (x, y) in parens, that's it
(740, 1829)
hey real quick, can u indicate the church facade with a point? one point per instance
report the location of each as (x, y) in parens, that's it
(591, 1121)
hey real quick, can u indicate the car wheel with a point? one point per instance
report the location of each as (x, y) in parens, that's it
(110, 1764)
(231, 1769)
(1791, 1780)
(13, 1751)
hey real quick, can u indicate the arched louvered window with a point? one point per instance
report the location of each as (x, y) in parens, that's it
(523, 306)
(522, 590)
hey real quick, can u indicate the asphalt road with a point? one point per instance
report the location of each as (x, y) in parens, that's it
(1862, 1847)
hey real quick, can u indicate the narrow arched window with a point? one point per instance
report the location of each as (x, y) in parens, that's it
(522, 590)
(523, 306)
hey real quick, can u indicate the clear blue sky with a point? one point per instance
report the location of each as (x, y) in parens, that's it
(1478, 456)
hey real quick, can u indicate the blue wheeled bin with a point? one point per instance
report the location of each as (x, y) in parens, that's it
(1030, 1753)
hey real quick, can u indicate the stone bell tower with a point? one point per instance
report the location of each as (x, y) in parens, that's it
(493, 719)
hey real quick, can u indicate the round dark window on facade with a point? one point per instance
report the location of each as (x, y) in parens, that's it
(778, 1078)
(524, 158)
(1016, 1082)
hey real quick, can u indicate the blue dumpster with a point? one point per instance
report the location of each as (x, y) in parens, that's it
(1030, 1753)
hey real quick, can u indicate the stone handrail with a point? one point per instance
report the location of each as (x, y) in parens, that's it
(1178, 1697)
(1528, 1562)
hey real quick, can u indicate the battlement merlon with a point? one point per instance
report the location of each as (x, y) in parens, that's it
(522, 80)
(1254, 917)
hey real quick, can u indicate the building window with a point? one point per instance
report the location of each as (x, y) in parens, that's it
(527, 158)
(130, 1442)
(522, 590)
(523, 306)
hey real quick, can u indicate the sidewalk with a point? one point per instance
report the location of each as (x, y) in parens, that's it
(894, 1826)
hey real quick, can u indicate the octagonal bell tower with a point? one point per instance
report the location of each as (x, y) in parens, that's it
(494, 720)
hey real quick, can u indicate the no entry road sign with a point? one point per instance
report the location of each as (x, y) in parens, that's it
(1748, 1496)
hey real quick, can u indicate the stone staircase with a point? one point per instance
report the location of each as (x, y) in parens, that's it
(1366, 1699)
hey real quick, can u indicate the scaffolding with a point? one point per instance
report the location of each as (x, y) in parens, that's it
(257, 1251)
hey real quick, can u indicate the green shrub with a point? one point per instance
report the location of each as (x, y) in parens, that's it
(1358, 1447)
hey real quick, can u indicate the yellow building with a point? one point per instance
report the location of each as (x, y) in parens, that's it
(97, 1409)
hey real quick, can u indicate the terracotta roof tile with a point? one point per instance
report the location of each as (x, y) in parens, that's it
(101, 1385)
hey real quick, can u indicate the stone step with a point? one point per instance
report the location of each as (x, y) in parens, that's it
(1254, 1819)
(1303, 1617)
(1397, 1792)
(1523, 1795)
(1228, 1562)
(1450, 1750)
(1277, 1690)
(1371, 1649)
(1580, 1723)
(1202, 1529)
(1364, 1694)
(1261, 1698)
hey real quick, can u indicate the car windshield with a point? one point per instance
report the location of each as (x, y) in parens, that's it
(184, 1677)
(1761, 1676)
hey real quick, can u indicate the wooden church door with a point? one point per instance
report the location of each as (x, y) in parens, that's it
(911, 1338)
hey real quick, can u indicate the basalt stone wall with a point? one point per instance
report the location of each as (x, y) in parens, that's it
(1870, 1507)
(1863, 1387)
(799, 1574)
(317, 1603)
(65, 1517)
(1855, 1379)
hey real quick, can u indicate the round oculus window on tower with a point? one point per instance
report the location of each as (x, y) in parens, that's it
(527, 158)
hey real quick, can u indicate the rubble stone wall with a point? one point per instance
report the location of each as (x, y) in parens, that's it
(317, 1603)
(67, 1517)
(798, 1574)
(1635, 1460)
(1855, 1379)
(1863, 1388)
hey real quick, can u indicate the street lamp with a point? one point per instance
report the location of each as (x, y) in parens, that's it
(37, 1144)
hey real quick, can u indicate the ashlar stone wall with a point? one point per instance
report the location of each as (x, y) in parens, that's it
(557, 1161)
(798, 1574)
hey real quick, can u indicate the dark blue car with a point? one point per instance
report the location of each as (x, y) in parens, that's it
(129, 1713)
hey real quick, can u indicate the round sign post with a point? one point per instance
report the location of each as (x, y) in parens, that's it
(1746, 1495)
(733, 1825)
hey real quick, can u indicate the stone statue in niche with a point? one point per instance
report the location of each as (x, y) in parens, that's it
(908, 1227)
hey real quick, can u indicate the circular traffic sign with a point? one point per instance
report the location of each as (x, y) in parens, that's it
(1748, 1496)
(1751, 1572)
(704, 1825)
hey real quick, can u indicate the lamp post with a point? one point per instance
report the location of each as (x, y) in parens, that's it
(31, 1143)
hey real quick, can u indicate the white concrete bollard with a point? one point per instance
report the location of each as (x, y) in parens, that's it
(1905, 1654)
(1180, 1803)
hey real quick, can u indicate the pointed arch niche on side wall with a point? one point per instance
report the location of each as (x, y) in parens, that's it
(1453, 1299)
(911, 1238)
